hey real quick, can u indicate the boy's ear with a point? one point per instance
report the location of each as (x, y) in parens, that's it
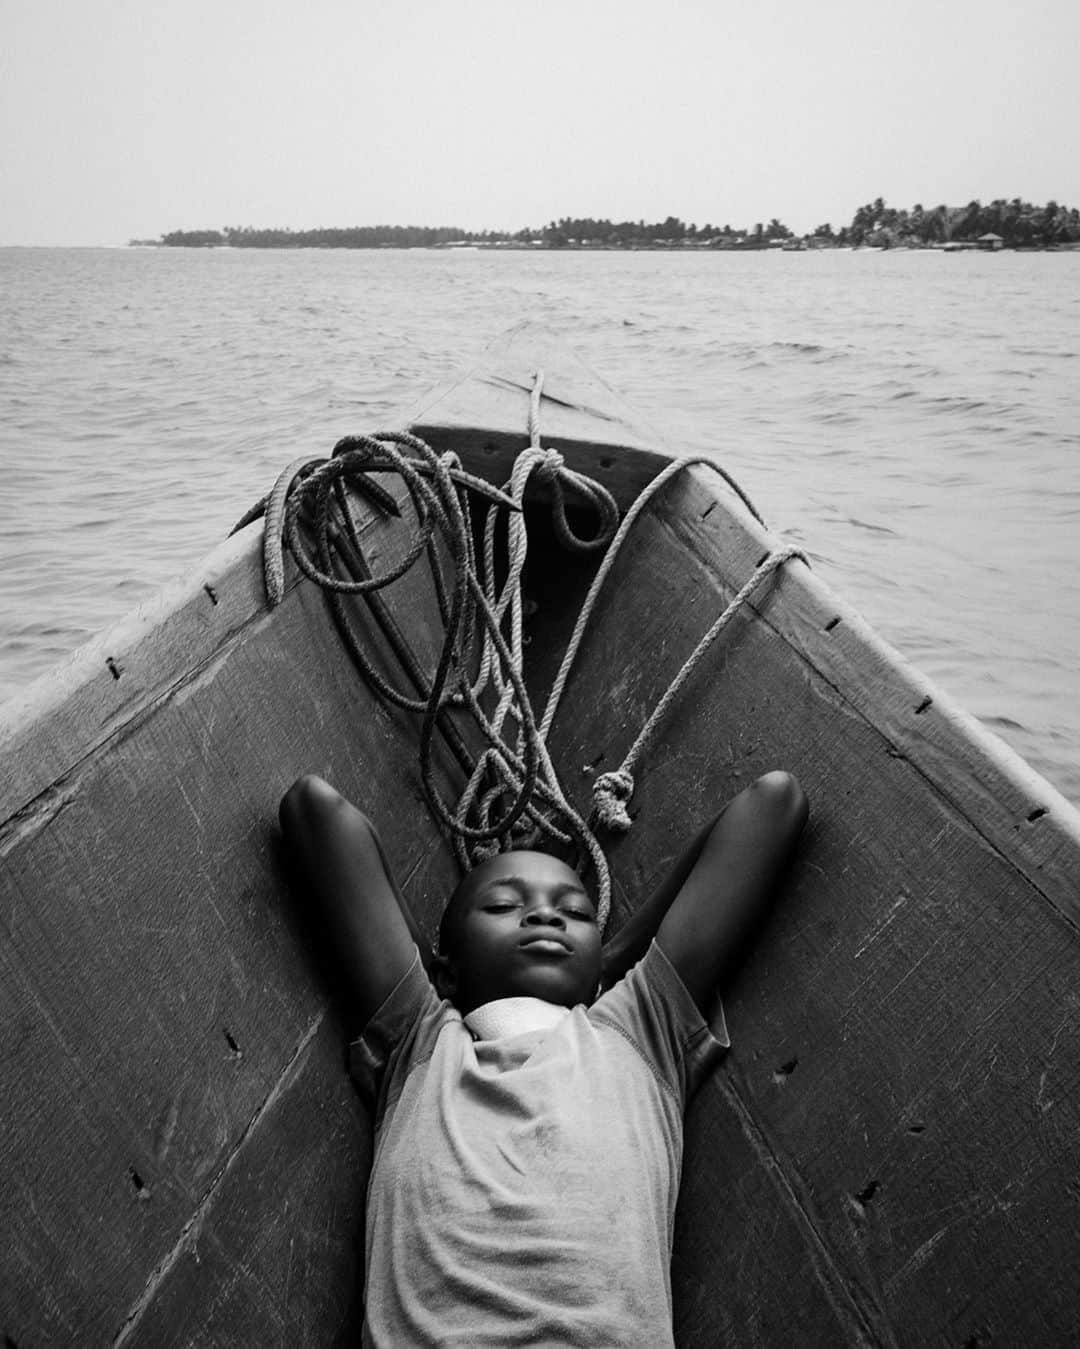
(444, 977)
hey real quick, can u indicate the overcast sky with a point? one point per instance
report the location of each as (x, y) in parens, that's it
(127, 118)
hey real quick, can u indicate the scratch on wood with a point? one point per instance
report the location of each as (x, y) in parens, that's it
(1057, 1035)
(166, 1130)
(865, 1324)
(882, 926)
(192, 1228)
(407, 878)
(974, 1207)
(1041, 1103)
(889, 993)
(209, 897)
(999, 1006)
(917, 1259)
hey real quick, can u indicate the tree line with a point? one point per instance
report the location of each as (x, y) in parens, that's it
(1019, 224)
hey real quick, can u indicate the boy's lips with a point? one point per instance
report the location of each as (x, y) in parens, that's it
(545, 943)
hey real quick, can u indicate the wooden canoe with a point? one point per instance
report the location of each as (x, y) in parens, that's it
(891, 1153)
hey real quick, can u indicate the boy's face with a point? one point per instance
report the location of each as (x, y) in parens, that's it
(526, 928)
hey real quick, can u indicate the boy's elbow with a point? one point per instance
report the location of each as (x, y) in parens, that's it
(309, 800)
(782, 795)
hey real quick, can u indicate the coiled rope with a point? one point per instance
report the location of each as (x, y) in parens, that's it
(512, 793)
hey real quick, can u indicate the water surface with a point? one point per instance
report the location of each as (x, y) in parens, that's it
(911, 419)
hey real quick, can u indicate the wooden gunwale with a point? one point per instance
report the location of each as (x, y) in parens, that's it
(124, 672)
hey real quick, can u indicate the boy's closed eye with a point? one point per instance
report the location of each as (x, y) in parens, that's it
(566, 910)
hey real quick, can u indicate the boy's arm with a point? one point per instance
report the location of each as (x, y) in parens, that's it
(623, 951)
(369, 926)
(712, 901)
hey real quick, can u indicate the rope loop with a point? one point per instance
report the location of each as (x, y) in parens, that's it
(612, 790)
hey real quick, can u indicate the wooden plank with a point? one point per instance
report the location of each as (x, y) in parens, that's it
(157, 981)
(755, 1274)
(901, 1028)
(267, 1260)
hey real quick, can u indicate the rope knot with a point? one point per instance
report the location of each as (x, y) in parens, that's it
(611, 792)
(551, 463)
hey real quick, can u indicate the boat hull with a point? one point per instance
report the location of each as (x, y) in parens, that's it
(882, 1159)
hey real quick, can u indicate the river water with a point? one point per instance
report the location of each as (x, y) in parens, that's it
(911, 419)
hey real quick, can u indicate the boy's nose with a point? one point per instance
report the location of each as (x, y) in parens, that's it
(544, 915)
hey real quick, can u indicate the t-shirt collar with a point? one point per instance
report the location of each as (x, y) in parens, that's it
(513, 1016)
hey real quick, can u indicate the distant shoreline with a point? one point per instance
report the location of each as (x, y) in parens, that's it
(959, 246)
(999, 225)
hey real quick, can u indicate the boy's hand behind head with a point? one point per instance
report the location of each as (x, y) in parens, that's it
(519, 925)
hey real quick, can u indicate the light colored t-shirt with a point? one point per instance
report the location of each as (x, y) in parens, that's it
(523, 1188)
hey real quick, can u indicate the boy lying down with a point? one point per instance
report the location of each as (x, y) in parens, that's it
(528, 1082)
